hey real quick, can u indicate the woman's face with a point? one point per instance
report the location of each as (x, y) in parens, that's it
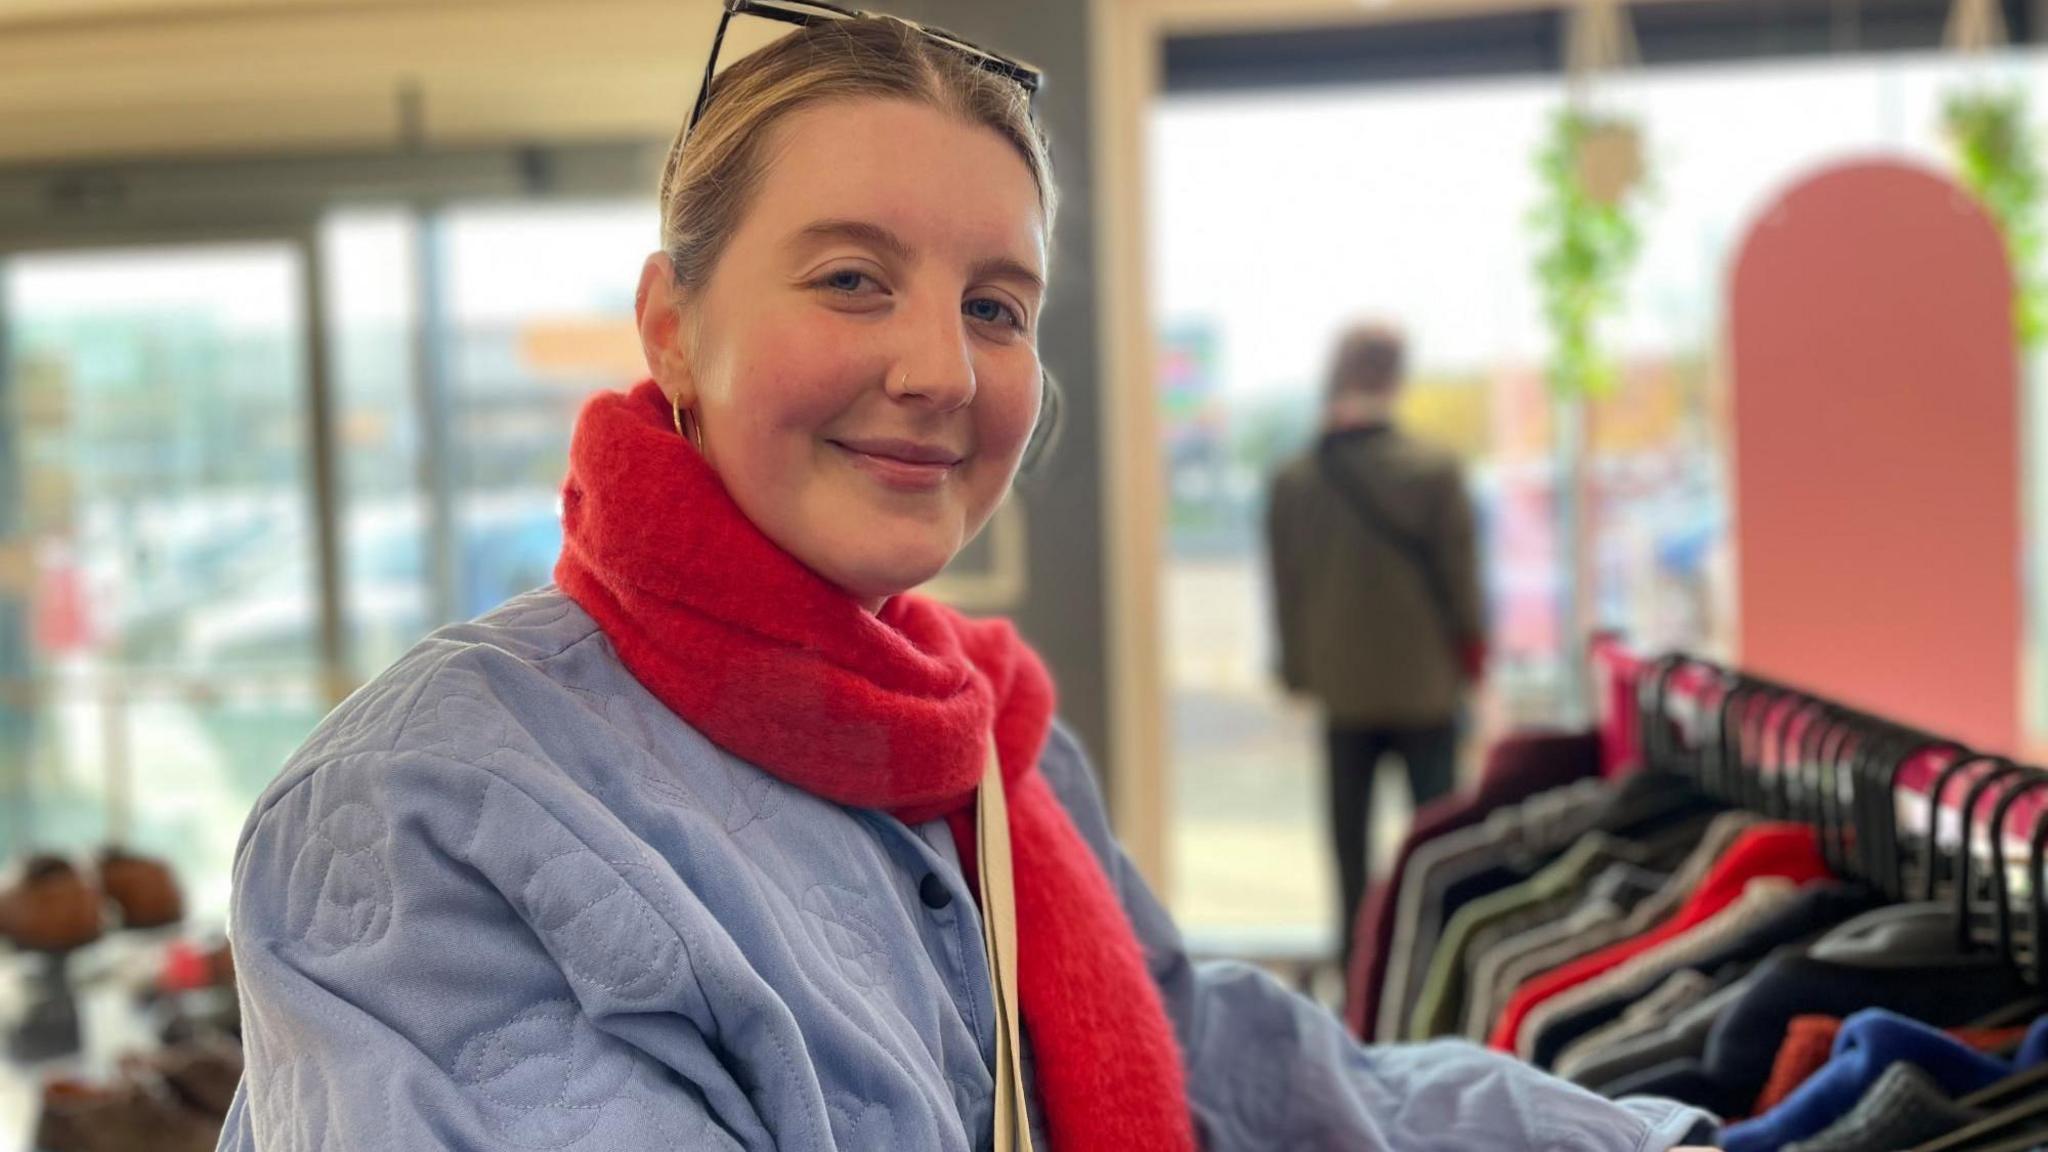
(863, 362)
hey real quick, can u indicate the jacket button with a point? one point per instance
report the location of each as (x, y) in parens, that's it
(933, 892)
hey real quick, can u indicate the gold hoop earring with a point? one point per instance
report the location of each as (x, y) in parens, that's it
(687, 426)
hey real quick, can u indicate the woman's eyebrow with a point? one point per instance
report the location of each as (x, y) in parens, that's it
(1008, 268)
(875, 236)
(856, 231)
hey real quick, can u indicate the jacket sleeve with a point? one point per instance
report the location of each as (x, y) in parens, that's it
(428, 961)
(1456, 542)
(1284, 568)
(1269, 1069)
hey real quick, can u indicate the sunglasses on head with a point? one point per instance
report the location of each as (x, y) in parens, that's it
(804, 13)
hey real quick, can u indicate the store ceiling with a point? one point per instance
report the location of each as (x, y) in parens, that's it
(85, 79)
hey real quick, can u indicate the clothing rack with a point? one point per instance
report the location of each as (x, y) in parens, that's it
(1915, 815)
(1821, 924)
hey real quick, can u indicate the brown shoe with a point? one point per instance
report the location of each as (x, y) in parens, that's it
(77, 1117)
(202, 1073)
(143, 889)
(51, 908)
(125, 1117)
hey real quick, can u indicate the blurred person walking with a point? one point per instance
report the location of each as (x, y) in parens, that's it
(1376, 585)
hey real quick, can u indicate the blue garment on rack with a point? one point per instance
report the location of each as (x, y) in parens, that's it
(1870, 1042)
(1942, 987)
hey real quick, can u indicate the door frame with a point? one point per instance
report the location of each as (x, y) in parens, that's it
(1127, 50)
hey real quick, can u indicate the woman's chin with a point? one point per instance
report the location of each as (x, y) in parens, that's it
(875, 578)
(874, 558)
(875, 589)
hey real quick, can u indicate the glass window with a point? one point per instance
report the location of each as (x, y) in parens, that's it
(1279, 217)
(540, 314)
(160, 643)
(372, 264)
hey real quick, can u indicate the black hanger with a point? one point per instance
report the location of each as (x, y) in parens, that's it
(1876, 814)
(1861, 817)
(1723, 766)
(1877, 820)
(1663, 749)
(1930, 854)
(1847, 802)
(1817, 784)
(1786, 754)
(2034, 1005)
(1907, 751)
(1825, 723)
(1685, 744)
(1652, 738)
(2002, 770)
(1843, 734)
(1874, 817)
(1775, 759)
(1754, 724)
(1830, 732)
(2031, 780)
(2037, 848)
(1836, 811)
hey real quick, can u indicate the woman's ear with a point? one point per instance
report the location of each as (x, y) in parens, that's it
(658, 312)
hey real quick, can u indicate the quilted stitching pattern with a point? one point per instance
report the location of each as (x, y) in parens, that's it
(841, 918)
(340, 888)
(756, 796)
(604, 931)
(544, 1078)
(862, 1126)
(294, 1110)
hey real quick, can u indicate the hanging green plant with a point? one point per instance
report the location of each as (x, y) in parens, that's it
(1586, 240)
(1995, 155)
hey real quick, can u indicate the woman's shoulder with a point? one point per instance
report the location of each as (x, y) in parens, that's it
(530, 693)
(517, 729)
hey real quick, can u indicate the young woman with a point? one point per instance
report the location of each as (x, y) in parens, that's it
(691, 849)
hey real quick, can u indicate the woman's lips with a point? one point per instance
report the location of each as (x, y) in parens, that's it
(901, 464)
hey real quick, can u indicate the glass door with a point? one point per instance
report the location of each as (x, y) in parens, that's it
(162, 647)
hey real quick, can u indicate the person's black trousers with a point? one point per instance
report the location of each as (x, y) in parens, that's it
(1431, 757)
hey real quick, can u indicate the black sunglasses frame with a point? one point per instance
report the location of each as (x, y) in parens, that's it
(804, 13)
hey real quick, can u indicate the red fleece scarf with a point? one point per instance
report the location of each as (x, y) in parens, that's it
(786, 671)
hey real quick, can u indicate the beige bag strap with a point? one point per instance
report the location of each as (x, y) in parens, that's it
(999, 941)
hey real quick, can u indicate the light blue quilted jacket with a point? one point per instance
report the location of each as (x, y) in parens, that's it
(505, 899)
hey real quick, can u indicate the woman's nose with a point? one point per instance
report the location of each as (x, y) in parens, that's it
(936, 363)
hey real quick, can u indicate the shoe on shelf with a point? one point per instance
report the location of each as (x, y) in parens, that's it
(143, 889)
(122, 1117)
(50, 908)
(203, 1073)
(78, 1117)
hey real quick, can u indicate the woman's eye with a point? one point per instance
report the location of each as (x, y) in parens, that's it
(848, 282)
(993, 312)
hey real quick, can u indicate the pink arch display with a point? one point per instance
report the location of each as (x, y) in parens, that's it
(1876, 450)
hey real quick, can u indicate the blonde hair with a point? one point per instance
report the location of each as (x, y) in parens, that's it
(711, 175)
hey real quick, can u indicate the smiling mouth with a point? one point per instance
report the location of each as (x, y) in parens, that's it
(901, 465)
